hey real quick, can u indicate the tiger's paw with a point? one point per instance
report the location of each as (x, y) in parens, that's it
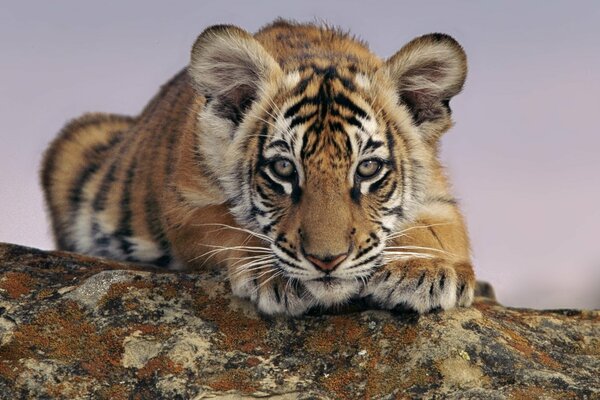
(274, 295)
(422, 284)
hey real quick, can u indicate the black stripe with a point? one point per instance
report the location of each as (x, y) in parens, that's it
(302, 85)
(324, 97)
(353, 121)
(274, 186)
(276, 292)
(358, 139)
(296, 192)
(368, 260)
(347, 83)
(254, 210)
(421, 279)
(279, 143)
(377, 184)
(385, 197)
(284, 262)
(293, 110)
(391, 142)
(348, 146)
(364, 251)
(94, 154)
(388, 273)
(311, 131)
(398, 210)
(372, 144)
(261, 193)
(267, 228)
(301, 120)
(288, 253)
(99, 203)
(155, 227)
(355, 191)
(345, 102)
(262, 138)
(336, 126)
(76, 191)
(124, 229)
(437, 238)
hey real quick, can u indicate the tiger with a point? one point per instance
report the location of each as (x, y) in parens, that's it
(294, 159)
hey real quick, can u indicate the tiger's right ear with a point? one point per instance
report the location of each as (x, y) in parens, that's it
(229, 67)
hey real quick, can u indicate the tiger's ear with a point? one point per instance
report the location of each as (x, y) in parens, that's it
(427, 73)
(229, 68)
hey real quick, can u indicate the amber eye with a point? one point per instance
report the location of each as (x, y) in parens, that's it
(368, 168)
(283, 168)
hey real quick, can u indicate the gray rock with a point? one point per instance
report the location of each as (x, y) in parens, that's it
(79, 327)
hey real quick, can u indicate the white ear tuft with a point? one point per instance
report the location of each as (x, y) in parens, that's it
(428, 72)
(230, 67)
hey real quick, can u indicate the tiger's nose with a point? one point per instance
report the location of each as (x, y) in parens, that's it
(326, 264)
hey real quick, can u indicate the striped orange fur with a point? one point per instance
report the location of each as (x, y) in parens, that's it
(295, 158)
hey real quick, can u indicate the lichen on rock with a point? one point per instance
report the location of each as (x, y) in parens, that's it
(79, 327)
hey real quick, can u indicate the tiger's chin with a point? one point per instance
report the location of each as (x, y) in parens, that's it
(332, 292)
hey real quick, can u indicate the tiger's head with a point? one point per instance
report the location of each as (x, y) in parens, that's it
(324, 153)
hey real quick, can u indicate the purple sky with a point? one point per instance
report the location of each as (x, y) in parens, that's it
(523, 156)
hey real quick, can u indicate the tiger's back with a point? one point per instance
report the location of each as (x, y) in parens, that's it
(100, 177)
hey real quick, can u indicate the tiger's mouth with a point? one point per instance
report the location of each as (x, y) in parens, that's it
(326, 279)
(329, 283)
(330, 291)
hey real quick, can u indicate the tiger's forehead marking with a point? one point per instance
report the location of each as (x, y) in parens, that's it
(326, 143)
(321, 117)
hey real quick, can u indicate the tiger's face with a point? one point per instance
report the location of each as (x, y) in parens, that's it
(327, 160)
(333, 171)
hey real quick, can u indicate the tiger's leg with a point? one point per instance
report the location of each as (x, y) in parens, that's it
(253, 274)
(427, 266)
(271, 292)
(252, 270)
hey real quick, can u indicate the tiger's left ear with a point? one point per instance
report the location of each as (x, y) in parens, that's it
(427, 73)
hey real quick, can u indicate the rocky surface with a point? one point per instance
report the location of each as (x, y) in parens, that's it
(78, 327)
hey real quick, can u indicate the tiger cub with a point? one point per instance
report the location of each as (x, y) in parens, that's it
(295, 158)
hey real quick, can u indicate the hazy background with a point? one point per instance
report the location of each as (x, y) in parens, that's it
(524, 154)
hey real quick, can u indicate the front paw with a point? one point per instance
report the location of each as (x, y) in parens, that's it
(273, 295)
(422, 284)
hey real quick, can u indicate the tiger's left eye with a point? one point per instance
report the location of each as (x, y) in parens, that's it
(368, 168)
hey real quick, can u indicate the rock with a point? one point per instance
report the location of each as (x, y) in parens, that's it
(79, 327)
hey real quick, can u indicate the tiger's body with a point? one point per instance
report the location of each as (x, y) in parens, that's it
(295, 158)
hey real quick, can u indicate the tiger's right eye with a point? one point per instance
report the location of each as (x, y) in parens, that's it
(368, 168)
(283, 168)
